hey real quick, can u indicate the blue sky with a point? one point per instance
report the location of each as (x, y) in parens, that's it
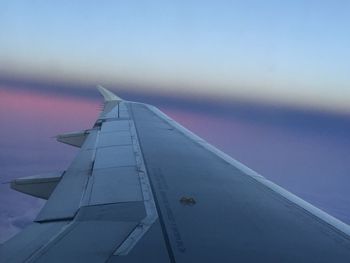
(286, 52)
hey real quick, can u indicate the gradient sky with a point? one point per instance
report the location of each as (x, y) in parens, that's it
(287, 52)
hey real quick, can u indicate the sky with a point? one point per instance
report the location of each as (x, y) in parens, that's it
(284, 52)
(265, 81)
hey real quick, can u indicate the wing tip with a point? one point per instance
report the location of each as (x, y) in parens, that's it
(108, 95)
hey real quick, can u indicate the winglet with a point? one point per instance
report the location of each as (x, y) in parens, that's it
(108, 95)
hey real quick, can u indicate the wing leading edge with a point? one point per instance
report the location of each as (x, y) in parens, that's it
(143, 188)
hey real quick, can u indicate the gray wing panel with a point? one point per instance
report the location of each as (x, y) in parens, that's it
(21, 247)
(114, 185)
(94, 235)
(214, 212)
(116, 126)
(115, 156)
(116, 138)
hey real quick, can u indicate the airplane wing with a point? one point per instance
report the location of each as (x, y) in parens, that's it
(145, 189)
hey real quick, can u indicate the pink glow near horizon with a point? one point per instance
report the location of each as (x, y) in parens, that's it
(53, 110)
(30, 120)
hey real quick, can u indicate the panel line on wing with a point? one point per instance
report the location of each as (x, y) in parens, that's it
(148, 199)
(151, 190)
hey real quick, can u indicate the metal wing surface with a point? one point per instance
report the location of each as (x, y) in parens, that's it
(144, 189)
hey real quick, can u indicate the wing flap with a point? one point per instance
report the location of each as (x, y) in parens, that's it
(114, 185)
(65, 199)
